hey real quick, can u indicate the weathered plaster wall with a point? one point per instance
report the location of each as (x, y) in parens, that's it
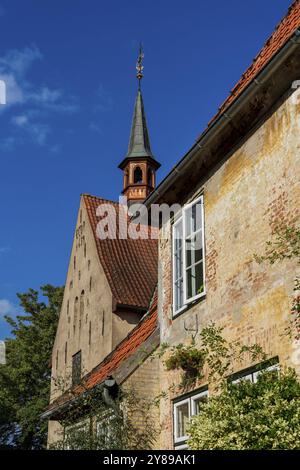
(246, 197)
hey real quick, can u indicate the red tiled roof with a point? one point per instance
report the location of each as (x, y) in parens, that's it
(285, 29)
(122, 352)
(130, 265)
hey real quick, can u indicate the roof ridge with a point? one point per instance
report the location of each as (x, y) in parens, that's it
(250, 73)
(123, 341)
(120, 257)
(100, 198)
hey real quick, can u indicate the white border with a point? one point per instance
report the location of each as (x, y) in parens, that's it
(175, 406)
(176, 312)
(194, 398)
(186, 207)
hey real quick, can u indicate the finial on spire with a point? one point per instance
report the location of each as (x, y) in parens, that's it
(139, 65)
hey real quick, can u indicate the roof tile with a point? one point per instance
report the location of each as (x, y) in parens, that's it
(123, 351)
(130, 265)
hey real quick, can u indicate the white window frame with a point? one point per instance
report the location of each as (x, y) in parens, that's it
(183, 307)
(181, 447)
(274, 367)
(175, 407)
(192, 412)
(182, 220)
(196, 397)
(253, 376)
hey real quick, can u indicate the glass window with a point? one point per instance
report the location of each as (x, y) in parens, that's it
(253, 375)
(178, 266)
(199, 400)
(183, 411)
(182, 416)
(188, 256)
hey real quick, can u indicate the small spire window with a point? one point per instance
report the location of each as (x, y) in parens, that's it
(150, 178)
(137, 175)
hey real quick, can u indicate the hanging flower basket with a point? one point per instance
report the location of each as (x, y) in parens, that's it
(189, 359)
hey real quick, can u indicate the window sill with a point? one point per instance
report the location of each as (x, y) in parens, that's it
(188, 306)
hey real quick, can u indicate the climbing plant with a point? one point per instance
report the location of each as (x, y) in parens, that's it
(126, 422)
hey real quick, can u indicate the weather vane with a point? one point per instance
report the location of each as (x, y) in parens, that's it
(139, 65)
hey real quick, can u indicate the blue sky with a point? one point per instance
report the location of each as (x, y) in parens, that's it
(69, 66)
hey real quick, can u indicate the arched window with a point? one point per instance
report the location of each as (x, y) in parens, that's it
(150, 178)
(75, 314)
(81, 308)
(137, 175)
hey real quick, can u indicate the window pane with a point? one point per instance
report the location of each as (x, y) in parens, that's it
(178, 266)
(193, 218)
(198, 402)
(178, 235)
(182, 416)
(194, 278)
(194, 249)
(178, 293)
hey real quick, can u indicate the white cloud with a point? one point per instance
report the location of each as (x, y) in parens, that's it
(36, 102)
(37, 131)
(20, 120)
(4, 249)
(7, 308)
(18, 62)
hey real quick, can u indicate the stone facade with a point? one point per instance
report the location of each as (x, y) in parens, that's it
(246, 197)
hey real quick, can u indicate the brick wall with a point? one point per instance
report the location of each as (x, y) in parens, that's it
(144, 383)
(244, 200)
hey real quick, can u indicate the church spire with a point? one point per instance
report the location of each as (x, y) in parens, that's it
(139, 142)
(139, 164)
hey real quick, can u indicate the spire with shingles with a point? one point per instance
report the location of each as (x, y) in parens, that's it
(139, 165)
(139, 142)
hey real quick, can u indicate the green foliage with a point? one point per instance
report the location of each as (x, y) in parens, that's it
(189, 359)
(221, 356)
(296, 309)
(125, 423)
(214, 351)
(264, 415)
(286, 245)
(25, 379)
